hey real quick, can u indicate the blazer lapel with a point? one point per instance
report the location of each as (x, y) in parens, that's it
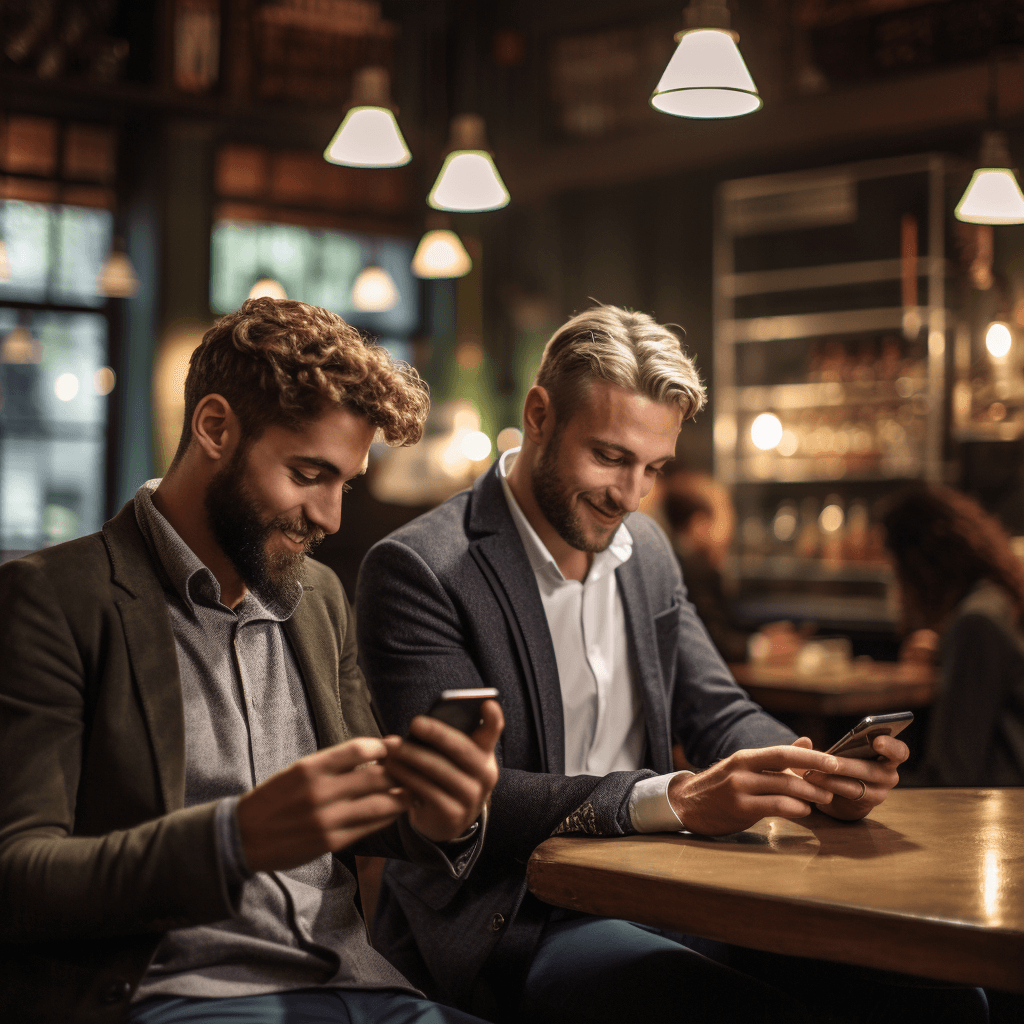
(640, 630)
(512, 579)
(151, 651)
(314, 641)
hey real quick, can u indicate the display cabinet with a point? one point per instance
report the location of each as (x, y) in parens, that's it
(831, 327)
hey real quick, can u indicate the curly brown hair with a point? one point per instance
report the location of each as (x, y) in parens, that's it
(943, 544)
(281, 362)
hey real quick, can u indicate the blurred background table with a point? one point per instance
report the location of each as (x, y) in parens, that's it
(807, 701)
(932, 883)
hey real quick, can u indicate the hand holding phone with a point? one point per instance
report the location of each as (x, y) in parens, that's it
(858, 741)
(460, 708)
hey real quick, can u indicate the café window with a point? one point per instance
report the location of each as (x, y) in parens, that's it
(55, 362)
(318, 266)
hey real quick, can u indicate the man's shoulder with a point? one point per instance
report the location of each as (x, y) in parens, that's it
(438, 530)
(68, 566)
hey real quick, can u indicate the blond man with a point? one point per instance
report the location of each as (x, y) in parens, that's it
(544, 582)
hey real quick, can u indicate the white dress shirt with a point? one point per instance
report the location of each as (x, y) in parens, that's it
(601, 706)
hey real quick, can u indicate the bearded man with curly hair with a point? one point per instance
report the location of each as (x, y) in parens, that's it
(188, 756)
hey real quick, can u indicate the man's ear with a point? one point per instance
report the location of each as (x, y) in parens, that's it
(215, 427)
(538, 415)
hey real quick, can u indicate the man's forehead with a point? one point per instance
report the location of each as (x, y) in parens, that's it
(608, 408)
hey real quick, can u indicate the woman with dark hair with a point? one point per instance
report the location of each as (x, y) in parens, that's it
(959, 576)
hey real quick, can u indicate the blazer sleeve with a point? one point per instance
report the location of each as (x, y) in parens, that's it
(414, 643)
(54, 883)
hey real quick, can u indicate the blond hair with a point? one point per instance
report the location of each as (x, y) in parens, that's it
(282, 362)
(629, 350)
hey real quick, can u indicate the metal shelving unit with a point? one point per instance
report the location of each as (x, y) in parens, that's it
(829, 316)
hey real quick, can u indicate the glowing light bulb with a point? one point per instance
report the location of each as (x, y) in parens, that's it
(441, 254)
(374, 291)
(998, 340)
(766, 431)
(476, 445)
(267, 288)
(65, 387)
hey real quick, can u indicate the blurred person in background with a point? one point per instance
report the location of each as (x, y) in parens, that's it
(702, 523)
(959, 577)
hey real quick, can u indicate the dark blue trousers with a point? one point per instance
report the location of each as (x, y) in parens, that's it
(303, 1006)
(591, 970)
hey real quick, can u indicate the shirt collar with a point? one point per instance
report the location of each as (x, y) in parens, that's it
(186, 573)
(619, 551)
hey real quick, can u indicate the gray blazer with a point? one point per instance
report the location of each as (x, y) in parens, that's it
(98, 854)
(450, 600)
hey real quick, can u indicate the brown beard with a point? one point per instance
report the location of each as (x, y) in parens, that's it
(550, 493)
(234, 518)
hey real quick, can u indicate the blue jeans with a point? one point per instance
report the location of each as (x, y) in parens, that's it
(591, 970)
(302, 1006)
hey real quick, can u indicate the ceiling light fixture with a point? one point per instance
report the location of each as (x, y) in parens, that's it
(706, 77)
(369, 135)
(469, 182)
(117, 278)
(994, 195)
(440, 253)
(374, 290)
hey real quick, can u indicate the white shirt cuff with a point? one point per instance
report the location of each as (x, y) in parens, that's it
(649, 807)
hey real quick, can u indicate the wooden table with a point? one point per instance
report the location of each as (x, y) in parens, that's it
(864, 688)
(932, 883)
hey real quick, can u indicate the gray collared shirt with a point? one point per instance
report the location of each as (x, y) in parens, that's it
(246, 717)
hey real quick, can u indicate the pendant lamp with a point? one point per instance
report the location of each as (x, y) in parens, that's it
(117, 279)
(374, 290)
(267, 287)
(469, 182)
(440, 253)
(706, 77)
(369, 135)
(993, 196)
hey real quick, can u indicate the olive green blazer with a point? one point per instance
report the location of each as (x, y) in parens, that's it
(98, 855)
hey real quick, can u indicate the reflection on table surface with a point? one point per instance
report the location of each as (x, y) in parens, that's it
(932, 883)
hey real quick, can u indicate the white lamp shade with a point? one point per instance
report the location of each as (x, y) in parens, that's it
(374, 291)
(117, 278)
(706, 77)
(992, 197)
(368, 137)
(267, 288)
(441, 254)
(468, 182)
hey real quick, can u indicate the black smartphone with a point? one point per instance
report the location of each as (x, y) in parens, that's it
(857, 742)
(461, 708)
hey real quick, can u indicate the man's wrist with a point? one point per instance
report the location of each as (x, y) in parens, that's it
(650, 809)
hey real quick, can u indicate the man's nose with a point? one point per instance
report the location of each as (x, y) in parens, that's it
(325, 510)
(631, 489)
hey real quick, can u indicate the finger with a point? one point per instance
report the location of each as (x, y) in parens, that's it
(777, 759)
(443, 744)
(376, 809)
(343, 757)
(452, 792)
(485, 736)
(893, 750)
(845, 786)
(804, 742)
(783, 784)
(331, 788)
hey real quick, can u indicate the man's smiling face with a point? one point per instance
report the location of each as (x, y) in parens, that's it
(276, 500)
(602, 462)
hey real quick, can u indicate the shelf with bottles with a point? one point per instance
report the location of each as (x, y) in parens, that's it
(848, 408)
(988, 396)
